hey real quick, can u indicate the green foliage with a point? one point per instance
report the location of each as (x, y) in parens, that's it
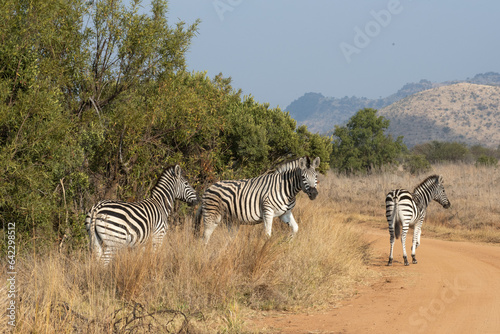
(485, 160)
(316, 146)
(361, 145)
(436, 151)
(259, 138)
(95, 101)
(417, 164)
(476, 151)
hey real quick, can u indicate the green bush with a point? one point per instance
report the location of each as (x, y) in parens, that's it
(437, 151)
(485, 160)
(92, 111)
(361, 145)
(416, 164)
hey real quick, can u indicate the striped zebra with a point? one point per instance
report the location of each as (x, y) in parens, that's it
(114, 224)
(260, 199)
(405, 209)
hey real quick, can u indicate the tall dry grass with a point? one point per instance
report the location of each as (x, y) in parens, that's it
(474, 194)
(189, 287)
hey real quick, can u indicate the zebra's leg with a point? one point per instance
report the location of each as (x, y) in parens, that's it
(414, 245)
(419, 233)
(107, 255)
(96, 248)
(416, 240)
(403, 243)
(267, 218)
(288, 218)
(210, 222)
(391, 233)
(233, 227)
(158, 241)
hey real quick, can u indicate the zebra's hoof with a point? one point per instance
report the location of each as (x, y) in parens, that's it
(414, 261)
(389, 263)
(406, 261)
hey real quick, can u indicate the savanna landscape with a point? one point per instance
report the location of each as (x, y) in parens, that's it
(247, 283)
(97, 99)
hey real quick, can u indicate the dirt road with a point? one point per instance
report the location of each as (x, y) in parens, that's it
(455, 288)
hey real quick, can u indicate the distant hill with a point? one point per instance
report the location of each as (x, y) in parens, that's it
(462, 112)
(321, 113)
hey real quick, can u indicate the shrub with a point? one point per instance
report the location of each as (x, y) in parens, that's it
(485, 160)
(437, 151)
(417, 164)
(361, 145)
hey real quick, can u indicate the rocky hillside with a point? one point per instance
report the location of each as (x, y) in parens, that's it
(463, 112)
(321, 113)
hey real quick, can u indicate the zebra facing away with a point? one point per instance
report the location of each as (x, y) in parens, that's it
(405, 209)
(112, 225)
(260, 199)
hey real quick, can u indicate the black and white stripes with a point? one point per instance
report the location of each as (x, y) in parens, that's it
(405, 209)
(113, 224)
(260, 199)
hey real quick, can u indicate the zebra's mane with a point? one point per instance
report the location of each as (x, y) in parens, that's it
(289, 165)
(430, 179)
(168, 170)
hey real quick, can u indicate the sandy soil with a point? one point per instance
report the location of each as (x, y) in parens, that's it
(455, 288)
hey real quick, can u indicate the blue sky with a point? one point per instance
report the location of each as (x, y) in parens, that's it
(277, 50)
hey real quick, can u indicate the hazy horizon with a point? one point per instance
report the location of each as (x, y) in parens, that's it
(278, 50)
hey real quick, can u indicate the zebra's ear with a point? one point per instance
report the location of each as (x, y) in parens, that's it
(316, 163)
(303, 163)
(177, 170)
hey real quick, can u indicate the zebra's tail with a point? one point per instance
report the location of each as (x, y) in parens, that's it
(197, 221)
(90, 225)
(396, 220)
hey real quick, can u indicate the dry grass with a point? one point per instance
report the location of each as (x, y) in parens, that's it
(189, 287)
(473, 192)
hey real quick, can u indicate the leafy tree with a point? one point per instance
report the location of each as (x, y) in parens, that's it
(39, 156)
(317, 146)
(485, 160)
(65, 94)
(417, 164)
(477, 151)
(361, 145)
(92, 112)
(128, 49)
(437, 151)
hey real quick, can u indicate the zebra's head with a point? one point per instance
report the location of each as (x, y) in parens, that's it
(440, 194)
(182, 189)
(309, 177)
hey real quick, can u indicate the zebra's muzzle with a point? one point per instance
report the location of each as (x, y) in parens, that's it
(312, 193)
(194, 201)
(447, 205)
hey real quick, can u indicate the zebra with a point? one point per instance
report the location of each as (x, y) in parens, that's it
(405, 209)
(259, 199)
(114, 224)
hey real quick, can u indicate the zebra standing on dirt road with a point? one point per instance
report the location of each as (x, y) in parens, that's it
(405, 209)
(260, 199)
(114, 224)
